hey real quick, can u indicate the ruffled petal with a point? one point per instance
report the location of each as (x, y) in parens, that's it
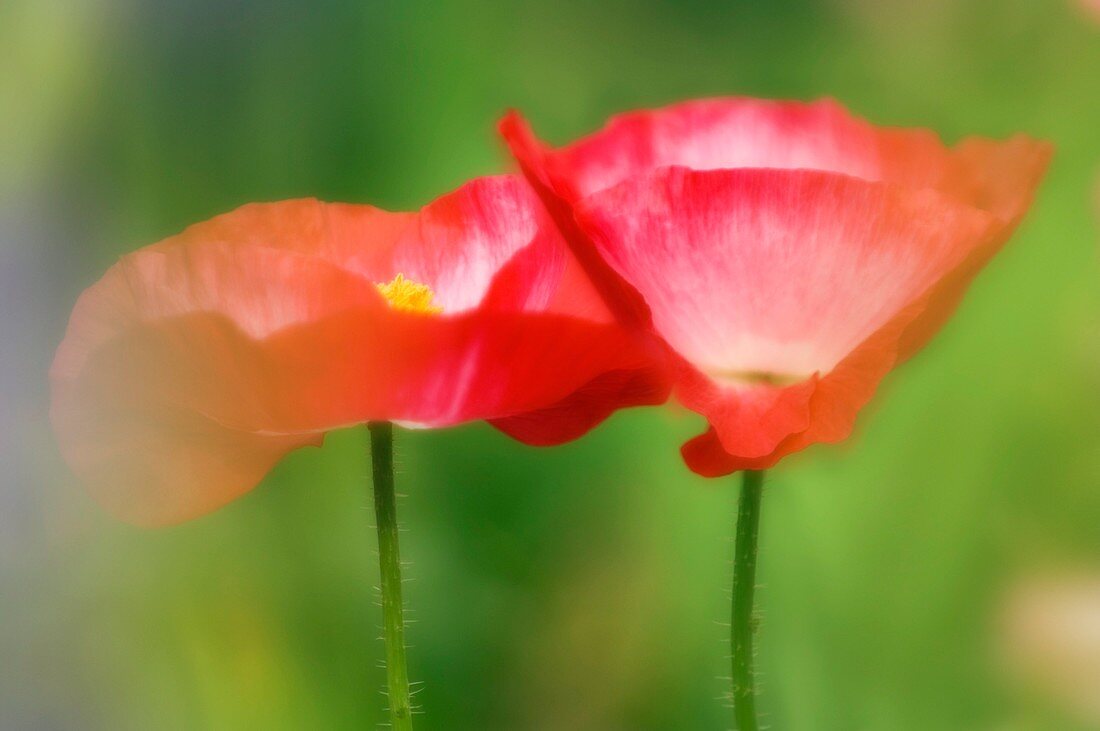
(768, 281)
(998, 177)
(752, 418)
(456, 245)
(739, 132)
(775, 272)
(781, 349)
(712, 134)
(163, 399)
(578, 413)
(194, 364)
(619, 297)
(438, 371)
(827, 406)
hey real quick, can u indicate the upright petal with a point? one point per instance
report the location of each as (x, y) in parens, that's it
(775, 272)
(740, 132)
(766, 281)
(726, 133)
(997, 177)
(621, 299)
(783, 322)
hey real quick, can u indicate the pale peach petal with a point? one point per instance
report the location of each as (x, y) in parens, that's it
(194, 364)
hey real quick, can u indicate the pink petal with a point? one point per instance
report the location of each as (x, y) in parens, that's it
(737, 132)
(777, 272)
(788, 293)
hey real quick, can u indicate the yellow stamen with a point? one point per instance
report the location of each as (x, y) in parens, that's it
(409, 296)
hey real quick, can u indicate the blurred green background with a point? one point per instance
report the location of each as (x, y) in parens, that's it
(584, 587)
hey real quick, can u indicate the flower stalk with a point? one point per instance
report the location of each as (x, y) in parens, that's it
(389, 559)
(743, 622)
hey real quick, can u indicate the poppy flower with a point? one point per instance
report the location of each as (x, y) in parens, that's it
(789, 254)
(194, 364)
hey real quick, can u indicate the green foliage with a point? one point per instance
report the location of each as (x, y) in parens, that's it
(583, 587)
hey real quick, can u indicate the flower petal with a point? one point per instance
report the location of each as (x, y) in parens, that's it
(194, 364)
(739, 132)
(775, 272)
(824, 413)
(782, 348)
(725, 133)
(578, 413)
(997, 177)
(761, 278)
(162, 400)
(620, 298)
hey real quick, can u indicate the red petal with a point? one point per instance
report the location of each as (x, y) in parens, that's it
(999, 177)
(619, 297)
(729, 133)
(773, 271)
(762, 304)
(711, 134)
(759, 275)
(831, 408)
(578, 413)
(194, 364)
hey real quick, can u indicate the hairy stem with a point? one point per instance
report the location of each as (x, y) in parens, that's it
(389, 559)
(744, 585)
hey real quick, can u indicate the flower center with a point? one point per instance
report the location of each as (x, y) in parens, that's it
(409, 296)
(757, 378)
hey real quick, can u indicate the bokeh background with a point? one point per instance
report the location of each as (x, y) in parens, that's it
(940, 571)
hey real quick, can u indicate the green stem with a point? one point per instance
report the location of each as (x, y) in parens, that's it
(389, 559)
(744, 585)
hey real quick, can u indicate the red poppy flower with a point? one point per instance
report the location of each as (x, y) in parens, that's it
(194, 364)
(789, 254)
